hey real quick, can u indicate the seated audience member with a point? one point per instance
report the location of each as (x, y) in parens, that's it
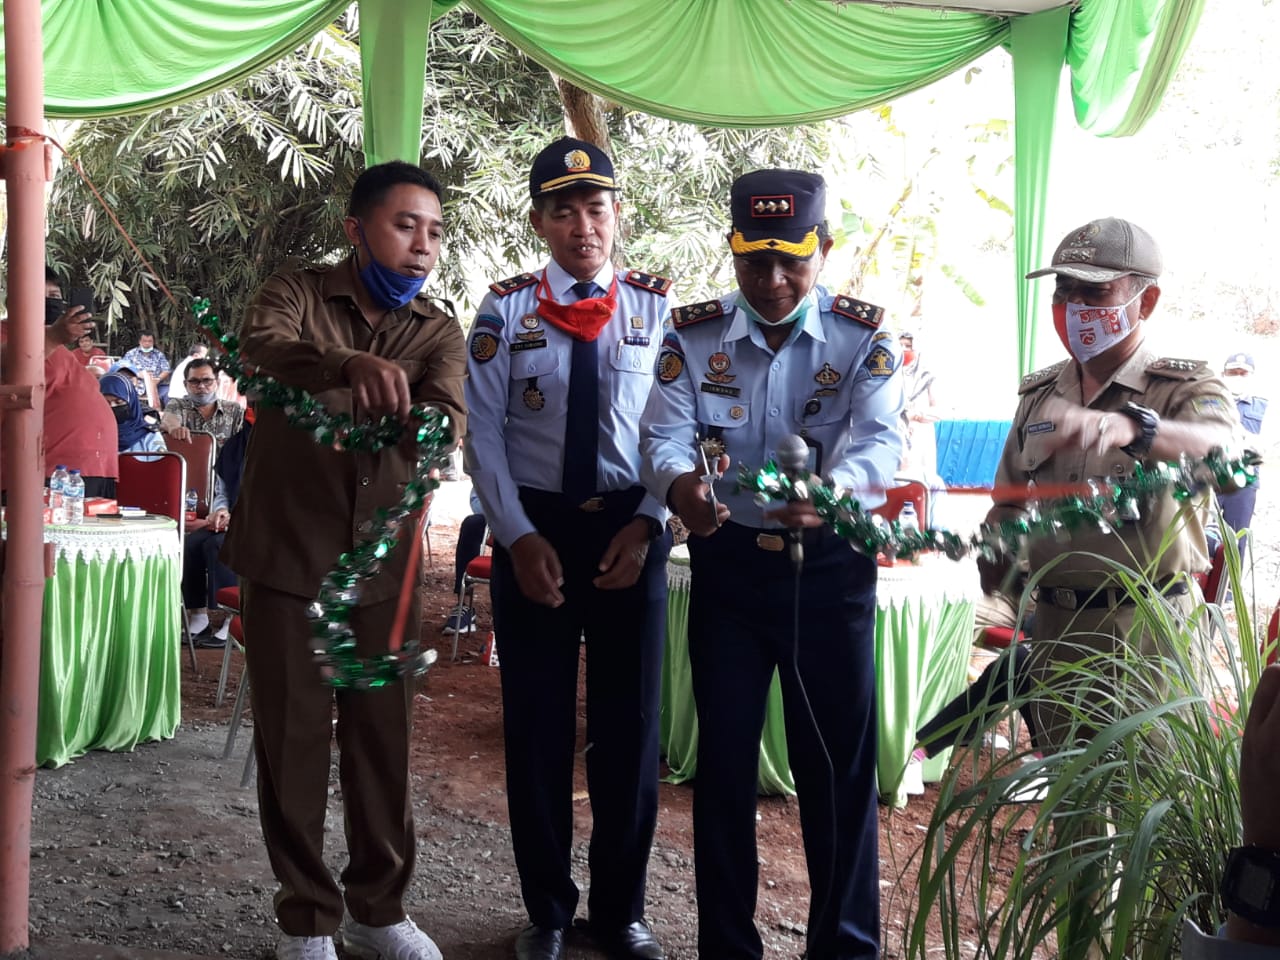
(177, 381)
(1252, 877)
(146, 357)
(86, 350)
(135, 434)
(79, 430)
(470, 543)
(201, 409)
(203, 574)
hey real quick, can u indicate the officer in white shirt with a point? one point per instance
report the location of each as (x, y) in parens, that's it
(561, 363)
(779, 357)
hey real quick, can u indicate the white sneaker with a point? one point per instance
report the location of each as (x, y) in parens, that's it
(913, 778)
(306, 948)
(400, 941)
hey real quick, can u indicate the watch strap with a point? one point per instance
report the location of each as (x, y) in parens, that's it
(1251, 885)
(1148, 422)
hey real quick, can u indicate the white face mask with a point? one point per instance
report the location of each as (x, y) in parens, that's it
(1089, 331)
(797, 313)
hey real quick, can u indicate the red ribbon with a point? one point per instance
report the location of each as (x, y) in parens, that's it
(582, 320)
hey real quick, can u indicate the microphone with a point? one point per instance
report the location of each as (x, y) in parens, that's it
(793, 458)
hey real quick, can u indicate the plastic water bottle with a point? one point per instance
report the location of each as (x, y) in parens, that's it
(907, 518)
(193, 503)
(73, 493)
(57, 490)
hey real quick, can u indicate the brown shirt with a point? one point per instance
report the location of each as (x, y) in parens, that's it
(301, 503)
(1176, 390)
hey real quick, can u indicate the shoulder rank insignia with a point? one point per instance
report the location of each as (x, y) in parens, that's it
(696, 313)
(512, 284)
(1172, 369)
(648, 281)
(1034, 381)
(865, 313)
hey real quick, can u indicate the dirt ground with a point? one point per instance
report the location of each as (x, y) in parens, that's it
(160, 848)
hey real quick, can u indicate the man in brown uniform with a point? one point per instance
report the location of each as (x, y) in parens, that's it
(1113, 405)
(358, 337)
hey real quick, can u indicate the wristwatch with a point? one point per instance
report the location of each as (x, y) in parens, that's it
(1251, 885)
(1148, 422)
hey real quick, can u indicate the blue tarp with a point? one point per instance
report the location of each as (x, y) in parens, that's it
(969, 451)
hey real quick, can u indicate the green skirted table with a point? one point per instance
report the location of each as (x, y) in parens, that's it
(111, 637)
(924, 632)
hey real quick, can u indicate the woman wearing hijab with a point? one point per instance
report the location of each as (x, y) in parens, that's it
(136, 435)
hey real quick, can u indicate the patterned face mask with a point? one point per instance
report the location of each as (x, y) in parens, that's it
(1088, 331)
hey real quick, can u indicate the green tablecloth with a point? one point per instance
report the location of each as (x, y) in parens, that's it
(111, 638)
(924, 631)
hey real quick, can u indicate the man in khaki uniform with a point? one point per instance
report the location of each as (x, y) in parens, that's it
(359, 337)
(1113, 405)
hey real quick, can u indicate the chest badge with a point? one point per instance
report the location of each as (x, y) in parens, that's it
(530, 321)
(719, 363)
(534, 398)
(828, 375)
(637, 323)
(812, 407)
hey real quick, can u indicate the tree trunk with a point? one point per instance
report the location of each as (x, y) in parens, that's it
(583, 114)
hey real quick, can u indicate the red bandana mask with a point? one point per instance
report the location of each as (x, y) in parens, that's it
(582, 320)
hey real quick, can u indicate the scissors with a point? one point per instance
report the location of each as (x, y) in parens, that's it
(709, 477)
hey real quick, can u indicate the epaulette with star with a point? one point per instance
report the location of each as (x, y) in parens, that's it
(512, 284)
(696, 312)
(1034, 381)
(1173, 369)
(648, 281)
(865, 313)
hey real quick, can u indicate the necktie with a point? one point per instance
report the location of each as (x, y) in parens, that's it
(582, 424)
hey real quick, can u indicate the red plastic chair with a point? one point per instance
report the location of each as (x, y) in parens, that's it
(157, 482)
(895, 497)
(1001, 638)
(199, 452)
(229, 599)
(237, 711)
(479, 570)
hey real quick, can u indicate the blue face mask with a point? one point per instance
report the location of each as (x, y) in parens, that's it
(389, 289)
(797, 313)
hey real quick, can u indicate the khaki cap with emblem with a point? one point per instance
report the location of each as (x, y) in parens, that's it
(1105, 250)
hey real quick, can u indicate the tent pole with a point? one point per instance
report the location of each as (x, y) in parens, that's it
(24, 171)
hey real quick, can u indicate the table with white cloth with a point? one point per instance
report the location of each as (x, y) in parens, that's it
(924, 632)
(111, 640)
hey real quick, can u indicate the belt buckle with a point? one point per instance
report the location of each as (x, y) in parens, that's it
(770, 541)
(592, 505)
(1062, 597)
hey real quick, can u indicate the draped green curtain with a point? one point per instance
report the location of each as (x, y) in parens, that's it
(718, 62)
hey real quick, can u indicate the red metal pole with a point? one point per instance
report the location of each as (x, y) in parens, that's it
(22, 443)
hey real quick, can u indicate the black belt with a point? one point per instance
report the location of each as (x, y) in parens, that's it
(629, 498)
(1067, 598)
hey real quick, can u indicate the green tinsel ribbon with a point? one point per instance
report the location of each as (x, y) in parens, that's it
(1107, 506)
(331, 613)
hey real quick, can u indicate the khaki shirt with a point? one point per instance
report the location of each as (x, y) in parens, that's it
(301, 503)
(1168, 528)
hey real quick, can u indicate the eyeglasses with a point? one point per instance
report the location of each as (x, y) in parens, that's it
(202, 382)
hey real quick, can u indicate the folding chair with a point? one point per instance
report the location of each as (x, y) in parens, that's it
(237, 711)
(157, 482)
(229, 599)
(479, 570)
(199, 453)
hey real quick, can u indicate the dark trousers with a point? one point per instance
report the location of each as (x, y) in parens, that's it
(470, 542)
(1237, 507)
(203, 574)
(292, 731)
(740, 628)
(1005, 675)
(539, 650)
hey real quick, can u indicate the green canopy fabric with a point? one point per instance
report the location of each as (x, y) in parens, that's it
(719, 62)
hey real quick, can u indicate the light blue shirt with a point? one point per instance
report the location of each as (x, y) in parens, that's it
(836, 382)
(1201, 946)
(518, 394)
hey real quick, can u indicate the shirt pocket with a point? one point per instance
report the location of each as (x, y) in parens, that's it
(414, 370)
(536, 383)
(631, 366)
(722, 413)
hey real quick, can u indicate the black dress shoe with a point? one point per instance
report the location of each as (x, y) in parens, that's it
(635, 941)
(540, 943)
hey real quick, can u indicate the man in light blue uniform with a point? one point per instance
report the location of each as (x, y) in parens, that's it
(779, 357)
(560, 369)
